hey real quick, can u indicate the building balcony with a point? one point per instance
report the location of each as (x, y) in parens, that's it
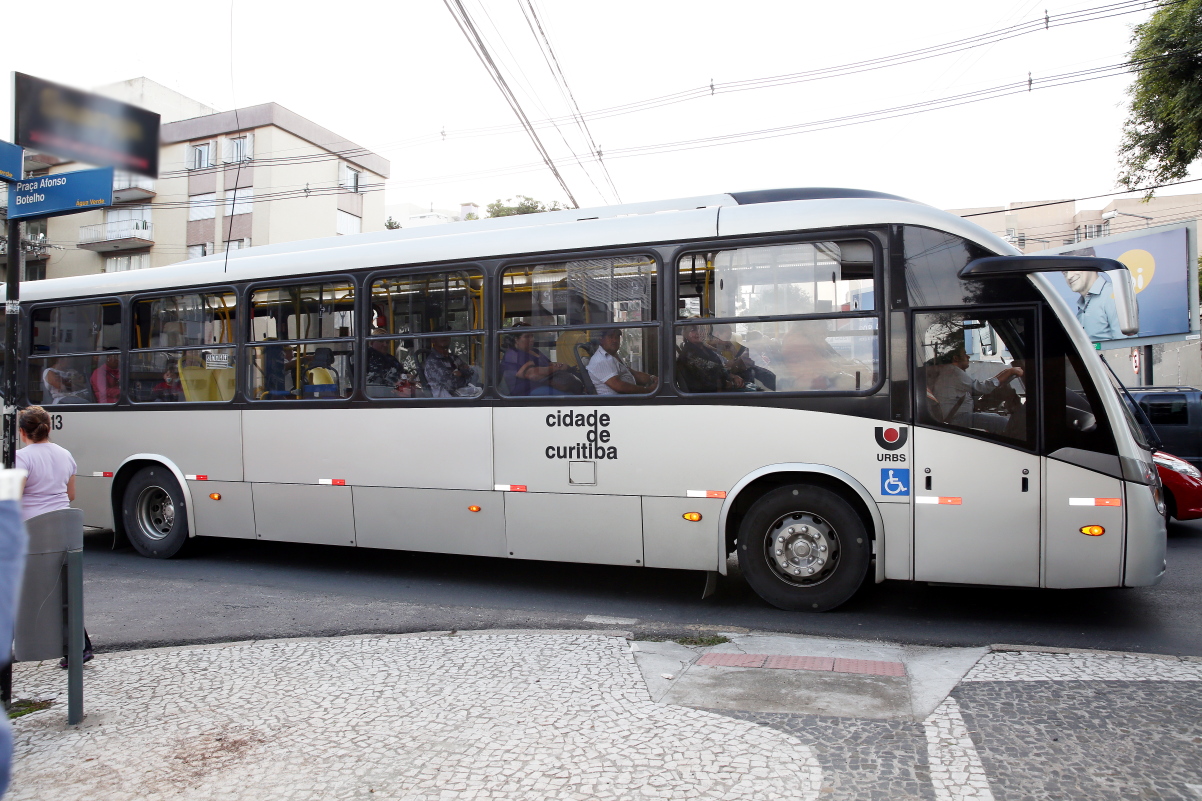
(129, 188)
(120, 235)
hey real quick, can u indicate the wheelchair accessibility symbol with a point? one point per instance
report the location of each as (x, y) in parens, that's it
(895, 481)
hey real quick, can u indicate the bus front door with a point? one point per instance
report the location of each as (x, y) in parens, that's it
(977, 478)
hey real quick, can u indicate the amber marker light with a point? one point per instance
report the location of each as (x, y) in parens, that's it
(215, 496)
(473, 508)
(692, 517)
(1093, 531)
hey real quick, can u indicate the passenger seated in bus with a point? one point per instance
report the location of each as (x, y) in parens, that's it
(734, 355)
(279, 371)
(610, 374)
(955, 390)
(759, 350)
(525, 370)
(61, 384)
(106, 379)
(386, 377)
(809, 363)
(170, 389)
(446, 374)
(701, 367)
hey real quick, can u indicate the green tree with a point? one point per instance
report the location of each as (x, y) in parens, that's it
(525, 205)
(391, 224)
(1163, 132)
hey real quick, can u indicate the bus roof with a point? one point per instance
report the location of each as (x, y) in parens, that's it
(630, 224)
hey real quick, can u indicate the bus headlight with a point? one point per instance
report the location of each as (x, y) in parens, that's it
(1158, 497)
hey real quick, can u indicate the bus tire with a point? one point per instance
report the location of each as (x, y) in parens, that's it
(803, 548)
(154, 513)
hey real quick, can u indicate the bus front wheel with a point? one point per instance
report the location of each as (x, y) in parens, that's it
(154, 513)
(803, 548)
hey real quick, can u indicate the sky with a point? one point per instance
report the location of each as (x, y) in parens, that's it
(396, 76)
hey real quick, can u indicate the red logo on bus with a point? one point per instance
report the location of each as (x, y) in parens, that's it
(891, 438)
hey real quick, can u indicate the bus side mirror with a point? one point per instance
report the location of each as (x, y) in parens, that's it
(1124, 300)
(1081, 420)
(1121, 282)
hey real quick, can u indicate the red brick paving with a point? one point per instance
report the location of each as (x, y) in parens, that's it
(865, 667)
(800, 663)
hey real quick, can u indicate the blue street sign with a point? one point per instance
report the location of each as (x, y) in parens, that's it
(65, 193)
(11, 157)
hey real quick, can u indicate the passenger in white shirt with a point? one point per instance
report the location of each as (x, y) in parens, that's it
(612, 376)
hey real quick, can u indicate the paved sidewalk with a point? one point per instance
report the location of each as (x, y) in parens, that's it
(583, 715)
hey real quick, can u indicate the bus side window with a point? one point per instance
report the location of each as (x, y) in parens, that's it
(796, 317)
(976, 374)
(558, 319)
(75, 354)
(427, 336)
(181, 348)
(302, 342)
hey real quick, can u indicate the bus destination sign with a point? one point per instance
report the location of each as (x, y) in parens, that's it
(65, 193)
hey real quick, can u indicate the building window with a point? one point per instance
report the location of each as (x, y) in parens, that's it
(240, 201)
(119, 264)
(196, 251)
(350, 178)
(349, 223)
(238, 148)
(202, 207)
(200, 156)
(237, 244)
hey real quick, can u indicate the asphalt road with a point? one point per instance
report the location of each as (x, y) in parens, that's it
(227, 590)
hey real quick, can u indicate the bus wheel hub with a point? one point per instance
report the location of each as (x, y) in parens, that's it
(802, 545)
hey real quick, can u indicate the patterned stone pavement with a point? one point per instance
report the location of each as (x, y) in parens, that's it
(569, 715)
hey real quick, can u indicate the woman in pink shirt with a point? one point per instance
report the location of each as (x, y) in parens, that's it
(50, 484)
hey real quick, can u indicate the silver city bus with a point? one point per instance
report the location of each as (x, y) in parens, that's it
(829, 383)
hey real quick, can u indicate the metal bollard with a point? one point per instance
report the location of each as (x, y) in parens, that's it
(50, 611)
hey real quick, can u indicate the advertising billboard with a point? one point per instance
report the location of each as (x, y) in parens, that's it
(81, 126)
(1161, 262)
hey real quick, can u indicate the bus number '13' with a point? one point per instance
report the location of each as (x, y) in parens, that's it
(56, 422)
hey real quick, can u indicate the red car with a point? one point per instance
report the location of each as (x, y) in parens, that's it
(1182, 486)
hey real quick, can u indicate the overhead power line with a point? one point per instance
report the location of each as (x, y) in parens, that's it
(464, 21)
(561, 80)
(938, 104)
(899, 59)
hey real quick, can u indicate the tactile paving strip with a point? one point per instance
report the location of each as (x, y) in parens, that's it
(867, 667)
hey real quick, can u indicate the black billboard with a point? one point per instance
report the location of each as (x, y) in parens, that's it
(80, 126)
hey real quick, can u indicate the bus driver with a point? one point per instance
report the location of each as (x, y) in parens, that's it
(954, 390)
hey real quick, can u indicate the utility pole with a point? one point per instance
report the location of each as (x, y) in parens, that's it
(12, 317)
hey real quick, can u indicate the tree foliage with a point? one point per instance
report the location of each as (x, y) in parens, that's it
(391, 224)
(1163, 132)
(525, 205)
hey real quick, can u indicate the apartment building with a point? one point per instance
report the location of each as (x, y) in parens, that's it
(1040, 224)
(256, 175)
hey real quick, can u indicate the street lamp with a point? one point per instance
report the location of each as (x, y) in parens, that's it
(1110, 215)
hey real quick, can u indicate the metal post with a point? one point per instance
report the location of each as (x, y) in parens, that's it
(12, 309)
(74, 636)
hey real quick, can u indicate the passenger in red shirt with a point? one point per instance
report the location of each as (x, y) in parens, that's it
(106, 379)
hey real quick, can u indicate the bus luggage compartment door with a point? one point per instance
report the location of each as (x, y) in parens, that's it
(975, 524)
(597, 529)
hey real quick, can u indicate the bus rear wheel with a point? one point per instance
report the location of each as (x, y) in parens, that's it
(154, 513)
(803, 548)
